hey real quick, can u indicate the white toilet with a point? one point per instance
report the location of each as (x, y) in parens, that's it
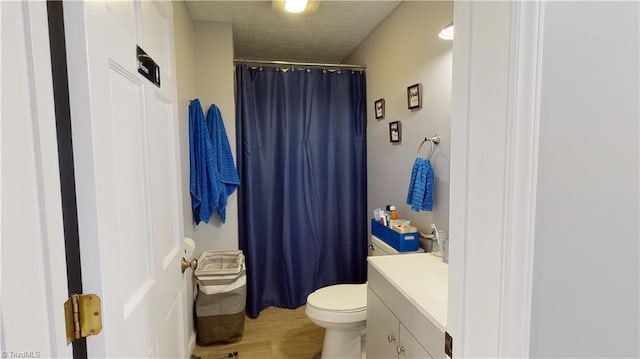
(342, 310)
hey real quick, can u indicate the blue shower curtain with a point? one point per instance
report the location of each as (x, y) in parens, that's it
(302, 165)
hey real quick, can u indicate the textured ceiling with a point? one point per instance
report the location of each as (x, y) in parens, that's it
(326, 35)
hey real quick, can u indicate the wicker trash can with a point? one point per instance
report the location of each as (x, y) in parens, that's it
(221, 297)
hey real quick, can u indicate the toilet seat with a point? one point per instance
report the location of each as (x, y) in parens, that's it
(340, 303)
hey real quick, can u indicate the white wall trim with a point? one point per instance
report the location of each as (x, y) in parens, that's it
(521, 180)
(458, 194)
(47, 169)
(496, 86)
(32, 225)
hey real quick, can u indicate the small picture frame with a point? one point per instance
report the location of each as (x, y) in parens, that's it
(379, 109)
(394, 132)
(414, 97)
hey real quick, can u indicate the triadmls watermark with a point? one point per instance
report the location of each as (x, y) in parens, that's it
(21, 354)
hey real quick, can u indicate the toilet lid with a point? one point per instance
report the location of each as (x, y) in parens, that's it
(340, 297)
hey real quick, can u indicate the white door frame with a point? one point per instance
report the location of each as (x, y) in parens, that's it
(33, 238)
(495, 112)
(34, 278)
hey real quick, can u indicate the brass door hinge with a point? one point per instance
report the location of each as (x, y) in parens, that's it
(83, 316)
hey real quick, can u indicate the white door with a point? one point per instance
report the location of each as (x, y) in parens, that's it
(34, 280)
(125, 138)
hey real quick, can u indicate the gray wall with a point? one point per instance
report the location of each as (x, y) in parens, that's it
(215, 84)
(204, 66)
(403, 50)
(586, 271)
(204, 61)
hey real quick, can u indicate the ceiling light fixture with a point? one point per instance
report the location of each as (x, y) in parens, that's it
(447, 32)
(295, 6)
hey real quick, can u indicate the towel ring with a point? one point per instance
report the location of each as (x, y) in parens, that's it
(434, 140)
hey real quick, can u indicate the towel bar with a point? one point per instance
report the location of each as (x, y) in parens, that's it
(434, 140)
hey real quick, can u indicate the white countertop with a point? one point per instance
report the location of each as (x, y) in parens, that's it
(422, 278)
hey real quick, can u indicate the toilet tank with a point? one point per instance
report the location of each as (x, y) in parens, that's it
(379, 248)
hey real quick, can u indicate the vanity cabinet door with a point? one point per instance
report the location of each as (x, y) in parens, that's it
(408, 346)
(382, 329)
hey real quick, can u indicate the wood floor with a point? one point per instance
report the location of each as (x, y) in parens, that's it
(276, 333)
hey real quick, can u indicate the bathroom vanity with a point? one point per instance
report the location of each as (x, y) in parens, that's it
(406, 306)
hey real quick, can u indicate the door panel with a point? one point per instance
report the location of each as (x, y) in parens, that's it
(166, 336)
(157, 29)
(130, 210)
(125, 12)
(130, 197)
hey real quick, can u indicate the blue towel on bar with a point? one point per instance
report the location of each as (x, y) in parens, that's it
(420, 195)
(213, 172)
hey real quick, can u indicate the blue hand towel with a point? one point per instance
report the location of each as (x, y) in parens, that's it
(199, 147)
(420, 194)
(213, 172)
(228, 180)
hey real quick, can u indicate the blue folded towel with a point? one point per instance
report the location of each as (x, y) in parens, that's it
(420, 195)
(213, 172)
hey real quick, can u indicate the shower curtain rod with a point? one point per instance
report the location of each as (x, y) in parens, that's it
(304, 64)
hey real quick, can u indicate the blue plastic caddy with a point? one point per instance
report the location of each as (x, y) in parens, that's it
(402, 242)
